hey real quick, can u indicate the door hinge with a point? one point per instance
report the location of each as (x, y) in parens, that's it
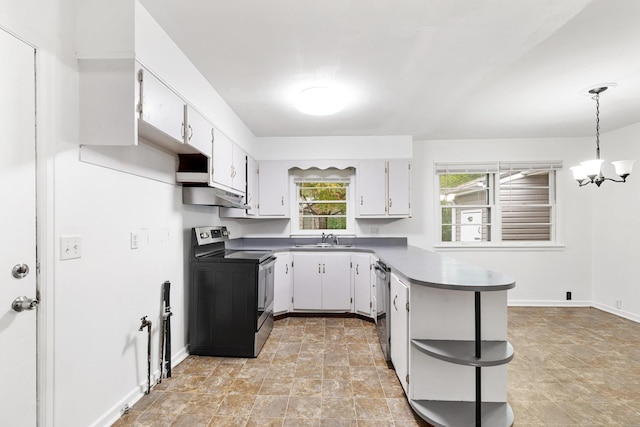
(370, 304)
(351, 300)
(291, 264)
(407, 306)
(291, 300)
(351, 265)
(407, 378)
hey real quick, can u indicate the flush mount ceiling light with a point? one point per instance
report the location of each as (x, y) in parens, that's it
(588, 172)
(320, 101)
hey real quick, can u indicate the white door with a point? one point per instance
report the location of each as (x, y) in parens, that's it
(362, 283)
(222, 159)
(372, 188)
(273, 186)
(336, 281)
(399, 187)
(17, 225)
(399, 320)
(307, 282)
(282, 283)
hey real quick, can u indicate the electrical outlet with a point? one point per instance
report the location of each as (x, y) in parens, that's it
(70, 247)
(135, 240)
(618, 303)
(568, 296)
(375, 231)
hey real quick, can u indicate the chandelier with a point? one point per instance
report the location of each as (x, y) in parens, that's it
(588, 172)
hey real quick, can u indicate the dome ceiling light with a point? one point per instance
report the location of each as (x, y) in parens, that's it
(320, 101)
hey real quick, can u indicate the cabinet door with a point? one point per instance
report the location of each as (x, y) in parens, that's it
(199, 132)
(399, 329)
(307, 281)
(372, 188)
(361, 270)
(162, 110)
(273, 185)
(399, 187)
(222, 159)
(336, 283)
(239, 169)
(282, 285)
(252, 186)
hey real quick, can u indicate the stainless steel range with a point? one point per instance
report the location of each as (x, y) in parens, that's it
(231, 296)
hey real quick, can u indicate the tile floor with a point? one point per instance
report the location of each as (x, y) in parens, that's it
(572, 367)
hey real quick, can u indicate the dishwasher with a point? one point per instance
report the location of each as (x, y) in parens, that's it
(383, 280)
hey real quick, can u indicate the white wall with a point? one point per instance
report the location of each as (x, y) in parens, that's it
(616, 208)
(91, 307)
(543, 275)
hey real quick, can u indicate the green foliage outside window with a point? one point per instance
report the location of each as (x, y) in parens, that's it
(322, 205)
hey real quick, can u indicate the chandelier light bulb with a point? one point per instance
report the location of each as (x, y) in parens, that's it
(623, 167)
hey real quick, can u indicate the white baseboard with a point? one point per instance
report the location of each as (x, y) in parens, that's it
(541, 303)
(545, 303)
(115, 412)
(618, 312)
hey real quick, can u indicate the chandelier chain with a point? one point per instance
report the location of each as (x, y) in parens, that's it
(596, 97)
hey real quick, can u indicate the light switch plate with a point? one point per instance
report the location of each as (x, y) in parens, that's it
(70, 247)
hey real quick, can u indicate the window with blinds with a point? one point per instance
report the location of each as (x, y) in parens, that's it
(494, 202)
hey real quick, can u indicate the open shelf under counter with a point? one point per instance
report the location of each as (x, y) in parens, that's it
(446, 413)
(494, 353)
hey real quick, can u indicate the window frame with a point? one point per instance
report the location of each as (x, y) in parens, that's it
(493, 170)
(329, 175)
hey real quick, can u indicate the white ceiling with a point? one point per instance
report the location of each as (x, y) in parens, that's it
(434, 69)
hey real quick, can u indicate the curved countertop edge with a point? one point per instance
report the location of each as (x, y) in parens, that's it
(420, 266)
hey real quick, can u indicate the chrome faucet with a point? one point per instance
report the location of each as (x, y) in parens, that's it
(330, 235)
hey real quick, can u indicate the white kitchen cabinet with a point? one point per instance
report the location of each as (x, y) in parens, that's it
(273, 189)
(399, 187)
(282, 283)
(161, 110)
(321, 281)
(229, 164)
(383, 189)
(399, 320)
(307, 281)
(122, 101)
(363, 295)
(252, 186)
(336, 283)
(198, 131)
(372, 188)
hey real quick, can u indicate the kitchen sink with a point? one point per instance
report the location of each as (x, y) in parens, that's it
(323, 246)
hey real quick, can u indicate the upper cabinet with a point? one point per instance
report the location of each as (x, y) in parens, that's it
(383, 189)
(161, 111)
(371, 188)
(399, 188)
(121, 101)
(198, 132)
(273, 187)
(229, 164)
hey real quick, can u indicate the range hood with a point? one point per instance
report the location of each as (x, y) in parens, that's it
(211, 196)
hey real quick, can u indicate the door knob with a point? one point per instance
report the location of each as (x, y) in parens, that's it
(23, 303)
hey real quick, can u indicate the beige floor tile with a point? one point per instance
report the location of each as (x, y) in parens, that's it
(573, 366)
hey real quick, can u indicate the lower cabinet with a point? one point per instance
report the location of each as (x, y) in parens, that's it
(399, 320)
(321, 281)
(283, 280)
(363, 294)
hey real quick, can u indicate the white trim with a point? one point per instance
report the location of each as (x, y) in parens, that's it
(591, 304)
(115, 412)
(549, 303)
